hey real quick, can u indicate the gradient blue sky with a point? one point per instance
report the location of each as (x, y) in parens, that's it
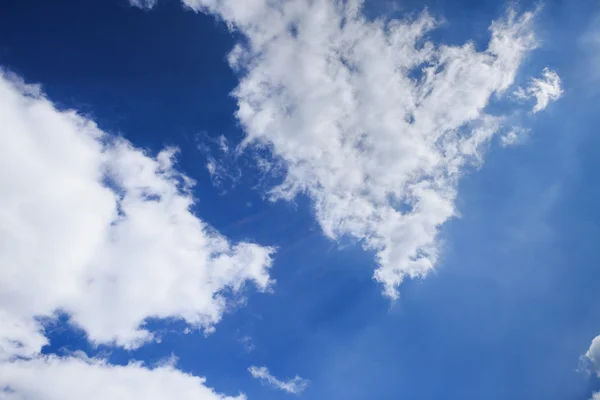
(514, 300)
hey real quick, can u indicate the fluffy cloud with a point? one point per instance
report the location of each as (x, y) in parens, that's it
(98, 229)
(592, 356)
(590, 362)
(371, 119)
(295, 385)
(76, 378)
(543, 90)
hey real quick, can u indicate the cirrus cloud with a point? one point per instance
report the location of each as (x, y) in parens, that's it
(296, 385)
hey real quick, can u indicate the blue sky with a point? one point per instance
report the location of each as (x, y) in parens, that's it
(508, 310)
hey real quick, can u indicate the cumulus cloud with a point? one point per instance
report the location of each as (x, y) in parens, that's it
(543, 90)
(592, 357)
(76, 378)
(295, 385)
(371, 119)
(100, 230)
(590, 362)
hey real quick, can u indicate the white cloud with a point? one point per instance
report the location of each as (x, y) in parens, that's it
(144, 4)
(295, 385)
(543, 90)
(98, 229)
(372, 120)
(247, 343)
(590, 362)
(592, 357)
(222, 166)
(76, 378)
(514, 136)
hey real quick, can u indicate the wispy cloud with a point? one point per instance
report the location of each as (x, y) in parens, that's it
(221, 161)
(371, 119)
(144, 4)
(544, 90)
(514, 136)
(247, 343)
(589, 42)
(295, 385)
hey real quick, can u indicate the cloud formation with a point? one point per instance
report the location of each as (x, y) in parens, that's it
(76, 378)
(144, 4)
(590, 362)
(592, 356)
(543, 90)
(95, 228)
(295, 385)
(371, 119)
(514, 136)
